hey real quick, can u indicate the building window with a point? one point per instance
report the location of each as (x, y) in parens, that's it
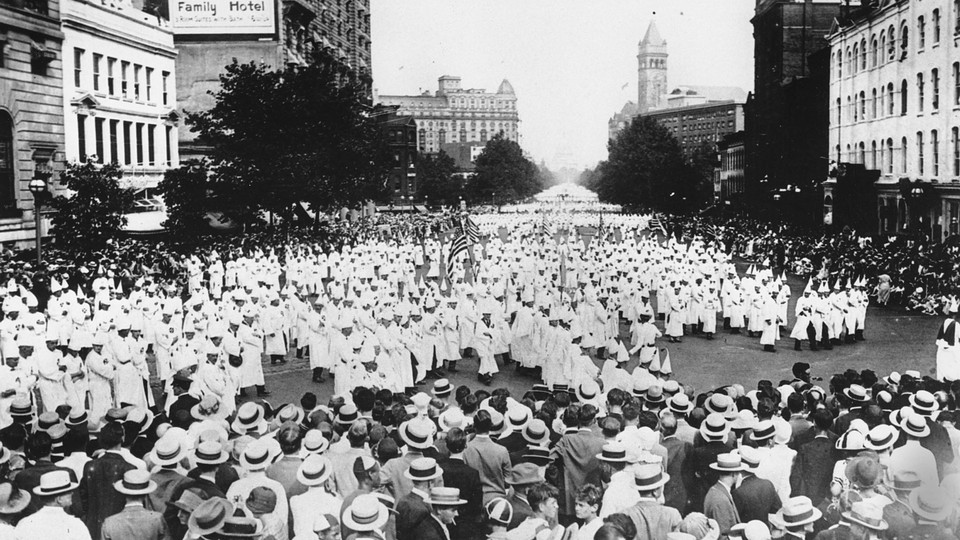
(873, 104)
(136, 82)
(81, 138)
(889, 156)
(903, 97)
(151, 145)
(935, 153)
(903, 155)
(98, 137)
(111, 66)
(920, 153)
(77, 67)
(935, 89)
(140, 141)
(114, 155)
(919, 92)
(921, 33)
(936, 26)
(97, 60)
(149, 76)
(873, 155)
(890, 101)
(904, 40)
(863, 106)
(8, 196)
(124, 69)
(862, 154)
(873, 52)
(169, 145)
(854, 59)
(127, 142)
(164, 76)
(883, 47)
(863, 54)
(955, 142)
(839, 64)
(956, 15)
(956, 83)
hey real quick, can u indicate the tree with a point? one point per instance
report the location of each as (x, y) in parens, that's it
(645, 169)
(298, 134)
(184, 191)
(503, 170)
(94, 213)
(436, 179)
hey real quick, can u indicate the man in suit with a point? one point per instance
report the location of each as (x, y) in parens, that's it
(285, 470)
(413, 509)
(135, 522)
(522, 477)
(674, 492)
(578, 451)
(488, 458)
(99, 498)
(535, 433)
(718, 504)
(813, 466)
(698, 476)
(444, 508)
(755, 498)
(208, 456)
(459, 475)
(38, 449)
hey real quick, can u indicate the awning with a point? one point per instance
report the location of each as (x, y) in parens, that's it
(144, 223)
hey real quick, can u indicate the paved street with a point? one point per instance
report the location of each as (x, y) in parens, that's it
(896, 340)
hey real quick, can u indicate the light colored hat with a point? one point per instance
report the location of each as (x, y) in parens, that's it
(366, 513)
(797, 512)
(209, 453)
(500, 511)
(851, 439)
(12, 499)
(728, 463)
(881, 437)
(423, 469)
(649, 476)
(314, 442)
(135, 482)
(714, 427)
(867, 514)
(417, 434)
(314, 471)
(613, 452)
(451, 418)
(445, 496)
(168, 451)
(764, 430)
(931, 503)
(915, 425)
(209, 516)
(55, 483)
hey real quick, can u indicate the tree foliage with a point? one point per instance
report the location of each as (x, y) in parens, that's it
(502, 169)
(436, 179)
(184, 191)
(646, 169)
(94, 214)
(303, 133)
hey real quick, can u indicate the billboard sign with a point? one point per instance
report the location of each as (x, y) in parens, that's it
(206, 17)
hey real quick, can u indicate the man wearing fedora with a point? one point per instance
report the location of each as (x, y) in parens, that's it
(55, 493)
(898, 514)
(445, 503)
(932, 508)
(97, 496)
(699, 476)
(135, 522)
(165, 457)
(795, 520)
(718, 504)
(457, 474)
(208, 456)
(522, 477)
(417, 434)
(755, 498)
(577, 451)
(423, 474)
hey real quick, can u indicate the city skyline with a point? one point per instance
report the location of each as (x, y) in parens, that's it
(566, 59)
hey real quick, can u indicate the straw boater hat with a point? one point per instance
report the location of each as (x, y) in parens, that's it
(423, 469)
(763, 431)
(798, 512)
(538, 455)
(536, 432)
(417, 434)
(348, 414)
(924, 403)
(445, 496)
(209, 516)
(613, 452)
(856, 393)
(680, 404)
(365, 514)
(931, 503)
(588, 391)
(55, 483)
(851, 439)
(915, 425)
(441, 388)
(728, 463)
(881, 438)
(314, 442)
(518, 417)
(714, 427)
(209, 453)
(250, 418)
(314, 471)
(904, 481)
(452, 418)
(649, 476)
(135, 482)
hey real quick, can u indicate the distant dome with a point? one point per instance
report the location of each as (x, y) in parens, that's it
(505, 88)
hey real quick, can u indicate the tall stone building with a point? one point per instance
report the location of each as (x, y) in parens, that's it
(31, 110)
(651, 70)
(457, 115)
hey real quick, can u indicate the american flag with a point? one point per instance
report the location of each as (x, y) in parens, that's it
(471, 230)
(656, 224)
(458, 247)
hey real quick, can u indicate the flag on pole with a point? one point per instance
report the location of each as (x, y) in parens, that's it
(655, 223)
(457, 248)
(471, 230)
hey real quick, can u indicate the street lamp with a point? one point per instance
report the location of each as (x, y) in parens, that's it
(38, 186)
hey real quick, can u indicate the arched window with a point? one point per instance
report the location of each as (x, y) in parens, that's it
(862, 154)
(873, 104)
(854, 60)
(863, 106)
(883, 47)
(903, 97)
(903, 155)
(904, 40)
(891, 44)
(890, 100)
(889, 156)
(874, 59)
(873, 155)
(8, 156)
(863, 54)
(839, 112)
(850, 62)
(851, 111)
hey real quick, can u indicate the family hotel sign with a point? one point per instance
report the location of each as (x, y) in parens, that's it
(223, 16)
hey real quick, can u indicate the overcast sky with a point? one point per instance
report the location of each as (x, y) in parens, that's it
(572, 62)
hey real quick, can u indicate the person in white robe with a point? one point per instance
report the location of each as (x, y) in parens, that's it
(102, 373)
(251, 353)
(948, 345)
(51, 375)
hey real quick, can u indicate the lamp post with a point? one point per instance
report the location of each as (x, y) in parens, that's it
(38, 186)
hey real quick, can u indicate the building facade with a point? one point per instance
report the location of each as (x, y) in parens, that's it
(119, 94)
(651, 70)
(703, 124)
(786, 115)
(895, 110)
(400, 132)
(457, 115)
(279, 33)
(729, 183)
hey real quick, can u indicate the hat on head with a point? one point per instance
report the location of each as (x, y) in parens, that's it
(924, 403)
(445, 496)
(452, 418)
(209, 453)
(421, 400)
(931, 503)
(55, 483)
(262, 500)
(518, 417)
(314, 471)
(797, 512)
(209, 516)
(314, 442)
(851, 439)
(417, 433)
(714, 427)
(680, 403)
(915, 425)
(719, 403)
(77, 418)
(856, 393)
(499, 511)
(523, 474)
(536, 433)
(649, 476)
(538, 455)
(13, 500)
(764, 430)
(746, 419)
(750, 457)
(21, 408)
(250, 418)
(904, 481)
(613, 452)
(423, 469)
(189, 500)
(348, 414)
(881, 437)
(588, 390)
(441, 388)
(654, 394)
(366, 513)
(135, 482)
(728, 463)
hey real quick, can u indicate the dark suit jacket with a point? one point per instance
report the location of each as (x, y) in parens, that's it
(813, 468)
(512, 442)
(411, 512)
(458, 474)
(135, 523)
(719, 505)
(698, 476)
(98, 499)
(675, 492)
(900, 519)
(755, 498)
(521, 510)
(429, 529)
